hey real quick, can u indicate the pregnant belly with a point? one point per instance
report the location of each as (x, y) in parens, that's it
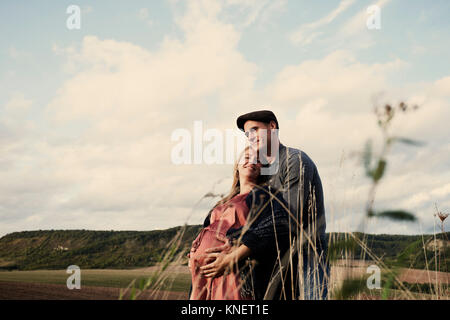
(208, 238)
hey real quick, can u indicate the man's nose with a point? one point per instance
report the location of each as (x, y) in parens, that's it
(252, 136)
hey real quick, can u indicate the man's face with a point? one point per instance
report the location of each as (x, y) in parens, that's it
(259, 134)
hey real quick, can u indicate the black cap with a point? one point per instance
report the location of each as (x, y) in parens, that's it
(262, 116)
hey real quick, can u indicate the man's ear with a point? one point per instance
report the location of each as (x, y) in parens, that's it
(272, 124)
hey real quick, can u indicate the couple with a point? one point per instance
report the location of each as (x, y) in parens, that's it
(266, 238)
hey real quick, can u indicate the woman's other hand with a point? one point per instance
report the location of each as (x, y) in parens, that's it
(221, 262)
(224, 261)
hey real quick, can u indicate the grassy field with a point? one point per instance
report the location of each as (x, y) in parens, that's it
(415, 283)
(178, 280)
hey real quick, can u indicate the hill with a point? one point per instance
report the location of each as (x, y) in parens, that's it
(57, 249)
(409, 251)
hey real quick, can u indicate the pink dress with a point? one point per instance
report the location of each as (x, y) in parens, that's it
(232, 214)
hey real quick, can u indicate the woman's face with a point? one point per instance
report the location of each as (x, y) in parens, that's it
(248, 168)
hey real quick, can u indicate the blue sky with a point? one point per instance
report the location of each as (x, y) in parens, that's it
(84, 113)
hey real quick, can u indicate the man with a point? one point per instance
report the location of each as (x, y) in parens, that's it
(294, 174)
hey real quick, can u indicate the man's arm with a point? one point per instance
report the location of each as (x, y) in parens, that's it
(302, 190)
(320, 206)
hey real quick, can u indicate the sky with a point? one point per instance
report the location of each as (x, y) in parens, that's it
(87, 114)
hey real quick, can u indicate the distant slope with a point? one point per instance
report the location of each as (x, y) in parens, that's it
(408, 250)
(57, 249)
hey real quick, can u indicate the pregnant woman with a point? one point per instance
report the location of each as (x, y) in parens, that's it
(243, 237)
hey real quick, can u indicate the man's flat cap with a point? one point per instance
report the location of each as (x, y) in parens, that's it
(262, 116)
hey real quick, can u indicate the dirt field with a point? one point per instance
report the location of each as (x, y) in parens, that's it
(424, 276)
(339, 273)
(14, 290)
(106, 284)
(98, 284)
(413, 276)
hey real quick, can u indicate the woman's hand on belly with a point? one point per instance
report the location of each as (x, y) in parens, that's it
(224, 261)
(221, 262)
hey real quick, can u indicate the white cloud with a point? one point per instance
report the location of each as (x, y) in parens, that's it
(258, 12)
(14, 122)
(18, 104)
(354, 32)
(335, 76)
(443, 86)
(443, 191)
(306, 33)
